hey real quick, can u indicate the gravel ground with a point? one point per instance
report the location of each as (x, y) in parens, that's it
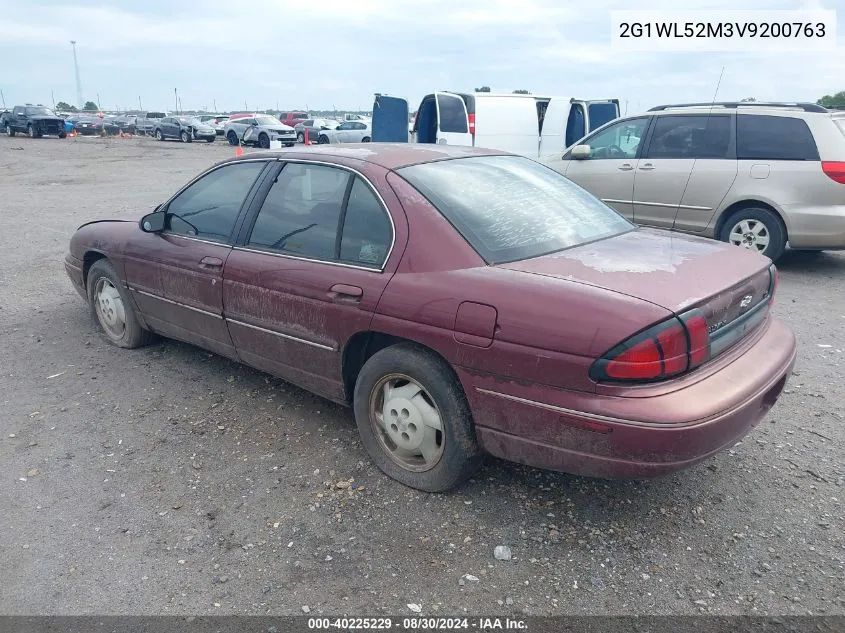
(169, 480)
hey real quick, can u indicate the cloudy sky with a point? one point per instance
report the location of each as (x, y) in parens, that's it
(339, 52)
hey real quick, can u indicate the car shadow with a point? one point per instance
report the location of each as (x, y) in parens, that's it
(812, 261)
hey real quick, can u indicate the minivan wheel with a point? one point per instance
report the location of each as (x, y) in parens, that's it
(756, 229)
(414, 419)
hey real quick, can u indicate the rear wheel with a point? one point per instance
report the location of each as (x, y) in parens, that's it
(232, 138)
(366, 139)
(112, 308)
(323, 139)
(300, 138)
(758, 229)
(9, 130)
(62, 134)
(414, 419)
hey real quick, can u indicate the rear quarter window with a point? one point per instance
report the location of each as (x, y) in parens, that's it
(764, 137)
(452, 114)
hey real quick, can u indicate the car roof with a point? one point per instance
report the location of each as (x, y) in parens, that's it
(387, 155)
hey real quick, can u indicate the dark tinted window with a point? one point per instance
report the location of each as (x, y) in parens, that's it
(308, 123)
(39, 111)
(763, 137)
(357, 125)
(575, 125)
(601, 113)
(301, 213)
(366, 228)
(691, 136)
(510, 208)
(155, 115)
(209, 208)
(452, 114)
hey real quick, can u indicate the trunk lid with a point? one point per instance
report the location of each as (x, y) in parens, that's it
(674, 271)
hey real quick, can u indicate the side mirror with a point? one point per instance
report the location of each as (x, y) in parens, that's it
(153, 222)
(580, 152)
(255, 123)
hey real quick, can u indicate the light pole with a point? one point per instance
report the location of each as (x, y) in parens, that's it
(78, 82)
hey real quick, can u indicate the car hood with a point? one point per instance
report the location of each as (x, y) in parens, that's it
(672, 270)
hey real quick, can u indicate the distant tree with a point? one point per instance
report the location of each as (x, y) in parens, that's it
(521, 92)
(748, 100)
(483, 89)
(66, 107)
(90, 105)
(833, 101)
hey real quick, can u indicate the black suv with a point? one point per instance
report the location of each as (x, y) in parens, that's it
(35, 121)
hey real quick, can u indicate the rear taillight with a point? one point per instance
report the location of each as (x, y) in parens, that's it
(835, 170)
(773, 284)
(662, 351)
(471, 119)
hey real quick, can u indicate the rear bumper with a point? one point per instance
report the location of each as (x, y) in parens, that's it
(534, 425)
(816, 227)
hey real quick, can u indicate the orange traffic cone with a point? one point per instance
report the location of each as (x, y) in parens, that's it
(307, 140)
(239, 151)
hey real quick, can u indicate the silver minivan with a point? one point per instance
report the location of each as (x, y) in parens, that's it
(757, 175)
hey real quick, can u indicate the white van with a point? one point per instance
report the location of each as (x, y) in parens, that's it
(529, 125)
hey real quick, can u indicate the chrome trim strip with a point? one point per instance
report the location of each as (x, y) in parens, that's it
(279, 334)
(308, 259)
(196, 239)
(659, 204)
(176, 303)
(583, 414)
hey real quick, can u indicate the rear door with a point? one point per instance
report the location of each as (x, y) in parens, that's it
(601, 111)
(553, 127)
(390, 119)
(452, 120)
(665, 168)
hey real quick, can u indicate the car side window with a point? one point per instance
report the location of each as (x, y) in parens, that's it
(301, 213)
(367, 232)
(690, 136)
(620, 140)
(209, 208)
(576, 126)
(765, 137)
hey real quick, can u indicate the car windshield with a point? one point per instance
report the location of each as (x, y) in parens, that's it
(190, 120)
(267, 120)
(40, 111)
(510, 208)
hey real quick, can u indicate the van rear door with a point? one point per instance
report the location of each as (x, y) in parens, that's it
(554, 126)
(390, 119)
(601, 111)
(452, 120)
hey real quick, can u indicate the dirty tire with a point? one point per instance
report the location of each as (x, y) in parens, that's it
(772, 224)
(9, 131)
(322, 139)
(159, 135)
(232, 138)
(31, 132)
(62, 134)
(185, 137)
(102, 274)
(263, 141)
(300, 138)
(366, 139)
(460, 457)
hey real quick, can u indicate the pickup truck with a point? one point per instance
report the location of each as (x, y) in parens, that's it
(145, 122)
(292, 119)
(36, 121)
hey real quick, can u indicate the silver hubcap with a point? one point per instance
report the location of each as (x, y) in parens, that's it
(407, 422)
(751, 234)
(110, 310)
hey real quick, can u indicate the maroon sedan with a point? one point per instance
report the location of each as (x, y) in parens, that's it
(462, 301)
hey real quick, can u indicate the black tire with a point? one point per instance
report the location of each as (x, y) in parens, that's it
(460, 457)
(322, 139)
(30, 132)
(159, 136)
(209, 140)
(263, 141)
(185, 137)
(62, 134)
(232, 138)
(133, 335)
(771, 225)
(9, 130)
(366, 139)
(300, 138)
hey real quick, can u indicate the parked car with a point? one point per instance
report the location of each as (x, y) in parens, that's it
(215, 122)
(186, 129)
(3, 114)
(92, 125)
(529, 125)
(292, 118)
(36, 121)
(756, 175)
(497, 308)
(347, 132)
(314, 127)
(258, 130)
(125, 123)
(145, 122)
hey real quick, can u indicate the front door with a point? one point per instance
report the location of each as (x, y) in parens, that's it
(176, 277)
(452, 120)
(309, 275)
(608, 172)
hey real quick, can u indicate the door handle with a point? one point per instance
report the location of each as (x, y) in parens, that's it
(647, 167)
(626, 167)
(342, 292)
(211, 262)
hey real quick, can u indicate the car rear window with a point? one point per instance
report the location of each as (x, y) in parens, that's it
(764, 137)
(155, 115)
(510, 208)
(452, 114)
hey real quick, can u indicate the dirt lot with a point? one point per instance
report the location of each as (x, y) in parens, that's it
(168, 480)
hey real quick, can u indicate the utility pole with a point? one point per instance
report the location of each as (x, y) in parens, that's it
(78, 82)
(140, 107)
(98, 102)
(176, 96)
(53, 97)
(214, 101)
(3, 99)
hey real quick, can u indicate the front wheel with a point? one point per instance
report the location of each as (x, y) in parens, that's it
(414, 419)
(31, 132)
(232, 138)
(62, 134)
(300, 138)
(9, 131)
(112, 308)
(185, 137)
(209, 140)
(159, 135)
(263, 141)
(756, 229)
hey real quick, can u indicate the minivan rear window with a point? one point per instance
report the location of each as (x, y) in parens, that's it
(452, 114)
(155, 115)
(601, 113)
(510, 208)
(765, 137)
